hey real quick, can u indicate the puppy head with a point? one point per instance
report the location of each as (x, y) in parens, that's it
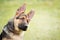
(22, 20)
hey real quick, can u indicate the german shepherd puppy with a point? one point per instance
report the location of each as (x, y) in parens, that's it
(15, 28)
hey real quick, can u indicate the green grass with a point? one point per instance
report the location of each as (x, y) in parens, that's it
(45, 24)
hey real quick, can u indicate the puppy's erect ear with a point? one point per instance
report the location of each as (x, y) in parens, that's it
(30, 14)
(21, 9)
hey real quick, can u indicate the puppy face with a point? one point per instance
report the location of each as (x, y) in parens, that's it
(21, 20)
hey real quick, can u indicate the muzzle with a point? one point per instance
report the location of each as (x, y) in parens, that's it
(22, 27)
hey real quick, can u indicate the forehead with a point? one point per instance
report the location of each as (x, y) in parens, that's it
(23, 15)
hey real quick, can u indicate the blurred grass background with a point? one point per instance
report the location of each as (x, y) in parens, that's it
(45, 24)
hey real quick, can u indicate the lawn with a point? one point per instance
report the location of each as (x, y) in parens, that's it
(45, 25)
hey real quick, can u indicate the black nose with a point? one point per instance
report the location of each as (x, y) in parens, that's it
(22, 27)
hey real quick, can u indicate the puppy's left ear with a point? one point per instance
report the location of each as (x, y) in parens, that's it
(30, 14)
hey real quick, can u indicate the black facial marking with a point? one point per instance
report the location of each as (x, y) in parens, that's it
(22, 27)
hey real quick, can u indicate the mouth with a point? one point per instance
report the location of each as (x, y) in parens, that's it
(22, 27)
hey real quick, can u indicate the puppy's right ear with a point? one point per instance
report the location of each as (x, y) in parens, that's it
(21, 10)
(30, 14)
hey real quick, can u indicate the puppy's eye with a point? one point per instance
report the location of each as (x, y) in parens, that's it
(17, 17)
(27, 21)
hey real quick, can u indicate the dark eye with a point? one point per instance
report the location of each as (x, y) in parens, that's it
(17, 17)
(27, 21)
